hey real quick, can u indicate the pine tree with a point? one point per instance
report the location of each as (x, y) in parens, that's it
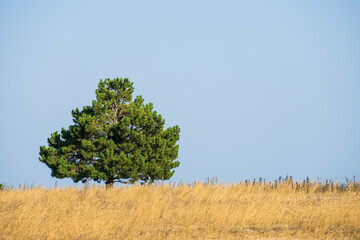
(114, 140)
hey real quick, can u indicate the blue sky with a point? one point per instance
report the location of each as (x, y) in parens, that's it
(258, 88)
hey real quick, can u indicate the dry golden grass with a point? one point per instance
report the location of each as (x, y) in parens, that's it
(200, 211)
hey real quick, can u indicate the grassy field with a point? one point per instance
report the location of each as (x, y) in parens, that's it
(247, 210)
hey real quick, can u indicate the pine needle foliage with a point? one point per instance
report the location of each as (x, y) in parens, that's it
(116, 139)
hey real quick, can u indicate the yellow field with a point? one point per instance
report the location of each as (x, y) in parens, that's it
(199, 211)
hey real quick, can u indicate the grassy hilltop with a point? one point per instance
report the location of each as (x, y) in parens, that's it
(280, 210)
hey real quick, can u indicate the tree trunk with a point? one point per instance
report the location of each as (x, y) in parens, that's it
(109, 183)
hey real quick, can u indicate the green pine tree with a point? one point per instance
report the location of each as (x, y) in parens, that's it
(114, 140)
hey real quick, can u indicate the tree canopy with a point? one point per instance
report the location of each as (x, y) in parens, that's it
(116, 139)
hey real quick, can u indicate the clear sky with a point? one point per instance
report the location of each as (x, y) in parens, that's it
(258, 88)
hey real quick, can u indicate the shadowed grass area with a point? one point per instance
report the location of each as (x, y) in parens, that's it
(283, 209)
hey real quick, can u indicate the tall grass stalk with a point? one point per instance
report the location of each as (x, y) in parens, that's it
(280, 209)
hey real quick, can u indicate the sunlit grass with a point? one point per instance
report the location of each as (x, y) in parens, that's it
(282, 210)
